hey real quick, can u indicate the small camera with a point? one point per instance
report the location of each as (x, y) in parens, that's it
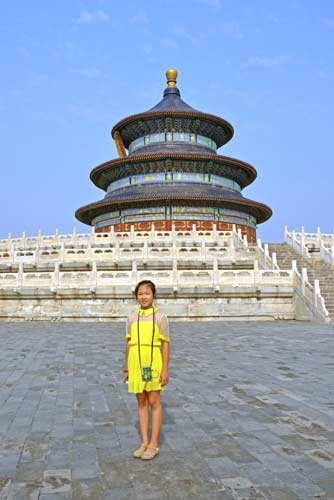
(146, 373)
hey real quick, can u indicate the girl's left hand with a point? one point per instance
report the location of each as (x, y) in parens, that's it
(164, 378)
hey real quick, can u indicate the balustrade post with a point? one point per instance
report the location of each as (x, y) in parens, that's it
(55, 280)
(318, 234)
(245, 240)
(332, 254)
(132, 233)
(194, 233)
(174, 249)
(62, 252)
(175, 274)
(259, 243)
(304, 249)
(94, 276)
(286, 233)
(112, 234)
(316, 293)
(74, 235)
(214, 231)
(266, 250)
(215, 276)
(39, 237)
(255, 271)
(294, 265)
(302, 239)
(322, 249)
(92, 236)
(23, 238)
(304, 280)
(11, 246)
(203, 251)
(274, 260)
(152, 232)
(293, 238)
(12, 252)
(134, 273)
(117, 251)
(145, 251)
(20, 275)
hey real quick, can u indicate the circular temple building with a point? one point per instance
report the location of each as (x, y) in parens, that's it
(168, 172)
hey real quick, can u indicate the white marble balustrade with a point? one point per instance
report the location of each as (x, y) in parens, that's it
(311, 245)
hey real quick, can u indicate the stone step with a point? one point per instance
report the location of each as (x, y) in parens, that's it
(315, 270)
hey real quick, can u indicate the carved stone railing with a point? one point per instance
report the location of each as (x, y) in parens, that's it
(215, 278)
(265, 260)
(179, 281)
(90, 239)
(297, 242)
(150, 246)
(310, 294)
(312, 244)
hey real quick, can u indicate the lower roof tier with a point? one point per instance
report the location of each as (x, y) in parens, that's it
(106, 173)
(144, 196)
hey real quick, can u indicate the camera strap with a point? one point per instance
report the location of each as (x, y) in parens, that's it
(139, 340)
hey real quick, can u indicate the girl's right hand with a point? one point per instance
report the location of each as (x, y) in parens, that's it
(125, 376)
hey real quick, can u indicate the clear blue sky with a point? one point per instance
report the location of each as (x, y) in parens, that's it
(71, 69)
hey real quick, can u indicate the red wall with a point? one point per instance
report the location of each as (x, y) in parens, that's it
(180, 225)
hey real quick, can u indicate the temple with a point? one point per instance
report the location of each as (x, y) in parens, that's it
(169, 173)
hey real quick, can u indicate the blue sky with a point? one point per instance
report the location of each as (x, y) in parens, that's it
(71, 69)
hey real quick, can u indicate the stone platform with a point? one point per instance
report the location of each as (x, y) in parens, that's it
(248, 414)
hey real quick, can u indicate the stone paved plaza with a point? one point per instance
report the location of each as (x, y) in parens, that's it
(248, 414)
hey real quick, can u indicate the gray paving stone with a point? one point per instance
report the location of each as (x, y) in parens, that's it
(248, 414)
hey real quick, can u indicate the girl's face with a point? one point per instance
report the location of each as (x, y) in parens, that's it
(145, 296)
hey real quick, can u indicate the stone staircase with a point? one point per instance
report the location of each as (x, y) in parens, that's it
(316, 269)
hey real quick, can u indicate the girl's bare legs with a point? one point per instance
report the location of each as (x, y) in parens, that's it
(156, 411)
(143, 404)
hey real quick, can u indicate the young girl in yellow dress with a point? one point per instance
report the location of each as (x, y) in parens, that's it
(146, 366)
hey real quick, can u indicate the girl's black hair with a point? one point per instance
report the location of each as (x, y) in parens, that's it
(149, 283)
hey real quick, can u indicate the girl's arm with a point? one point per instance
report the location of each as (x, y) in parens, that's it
(164, 378)
(125, 372)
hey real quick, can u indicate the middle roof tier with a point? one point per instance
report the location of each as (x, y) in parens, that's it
(106, 173)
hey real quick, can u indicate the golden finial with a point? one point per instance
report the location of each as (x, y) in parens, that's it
(171, 75)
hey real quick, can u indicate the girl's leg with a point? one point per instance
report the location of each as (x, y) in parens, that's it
(156, 409)
(142, 400)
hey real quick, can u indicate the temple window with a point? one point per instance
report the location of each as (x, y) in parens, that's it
(172, 137)
(161, 177)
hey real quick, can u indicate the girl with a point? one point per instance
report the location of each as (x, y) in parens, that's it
(145, 369)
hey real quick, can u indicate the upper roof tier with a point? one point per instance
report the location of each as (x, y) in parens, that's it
(173, 115)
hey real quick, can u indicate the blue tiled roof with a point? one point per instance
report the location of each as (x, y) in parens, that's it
(172, 101)
(172, 190)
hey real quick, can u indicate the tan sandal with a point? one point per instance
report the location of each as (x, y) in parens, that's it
(150, 453)
(138, 453)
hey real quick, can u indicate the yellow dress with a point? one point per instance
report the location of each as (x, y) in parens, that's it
(161, 334)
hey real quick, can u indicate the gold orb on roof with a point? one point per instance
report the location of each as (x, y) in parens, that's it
(171, 75)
